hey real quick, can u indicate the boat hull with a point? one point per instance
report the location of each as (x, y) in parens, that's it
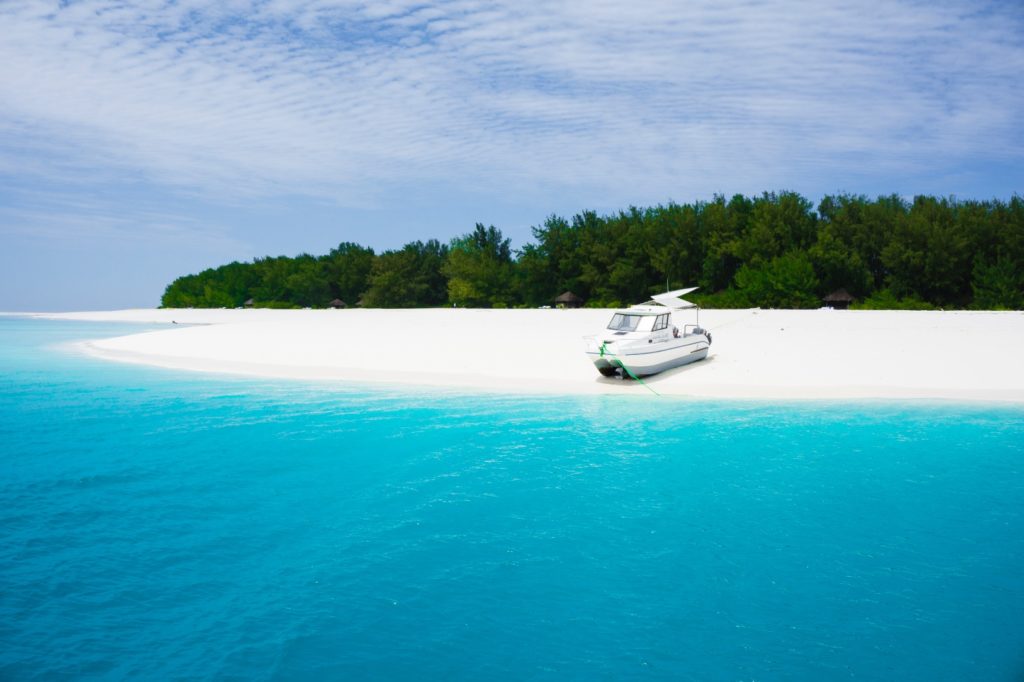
(644, 361)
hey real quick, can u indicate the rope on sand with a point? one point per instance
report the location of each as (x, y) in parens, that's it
(627, 370)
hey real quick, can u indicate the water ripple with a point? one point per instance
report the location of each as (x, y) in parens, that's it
(160, 526)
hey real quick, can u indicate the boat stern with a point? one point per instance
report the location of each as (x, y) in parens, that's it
(602, 353)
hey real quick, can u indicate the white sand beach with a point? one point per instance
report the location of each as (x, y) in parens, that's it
(758, 354)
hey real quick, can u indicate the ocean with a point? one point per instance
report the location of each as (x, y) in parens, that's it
(169, 525)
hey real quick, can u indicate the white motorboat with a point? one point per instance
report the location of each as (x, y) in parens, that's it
(644, 339)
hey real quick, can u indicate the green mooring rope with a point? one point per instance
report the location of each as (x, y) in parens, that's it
(604, 350)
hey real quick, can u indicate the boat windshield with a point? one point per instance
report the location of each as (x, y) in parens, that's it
(624, 323)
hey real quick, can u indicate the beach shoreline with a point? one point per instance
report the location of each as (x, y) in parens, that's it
(756, 354)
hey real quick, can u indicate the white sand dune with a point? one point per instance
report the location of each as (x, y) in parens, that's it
(762, 354)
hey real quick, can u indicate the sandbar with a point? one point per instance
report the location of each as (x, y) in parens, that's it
(755, 354)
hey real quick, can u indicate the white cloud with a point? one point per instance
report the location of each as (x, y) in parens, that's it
(336, 99)
(75, 221)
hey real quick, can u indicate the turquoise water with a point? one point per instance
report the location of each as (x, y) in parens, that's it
(160, 525)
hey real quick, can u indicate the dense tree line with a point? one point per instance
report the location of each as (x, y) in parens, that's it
(775, 250)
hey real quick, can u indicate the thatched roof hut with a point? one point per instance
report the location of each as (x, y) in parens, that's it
(568, 300)
(338, 303)
(840, 299)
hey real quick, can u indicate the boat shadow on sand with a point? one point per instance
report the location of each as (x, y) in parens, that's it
(655, 379)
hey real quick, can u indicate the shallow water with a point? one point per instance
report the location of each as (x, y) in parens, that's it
(159, 525)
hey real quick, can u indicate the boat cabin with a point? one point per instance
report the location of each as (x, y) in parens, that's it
(624, 321)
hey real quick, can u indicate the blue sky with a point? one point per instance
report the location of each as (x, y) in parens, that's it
(141, 140)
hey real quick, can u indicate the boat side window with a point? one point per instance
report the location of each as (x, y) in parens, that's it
(661, 323)
(624, 323)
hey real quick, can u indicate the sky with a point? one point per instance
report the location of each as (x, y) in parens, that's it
(141, 140)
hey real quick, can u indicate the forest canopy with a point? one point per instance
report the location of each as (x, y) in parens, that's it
(774, 250)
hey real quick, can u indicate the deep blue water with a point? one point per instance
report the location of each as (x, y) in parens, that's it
(163, 525)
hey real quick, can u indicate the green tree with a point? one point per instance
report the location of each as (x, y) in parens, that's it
(674, 246)
(306, 283)
(226, 286)
(927, 255)
(598, 252)
(479, 269)
(347, 271)
(786, 281)
(998, 286)
(862, 227)
(723, 226)
(886, 251)
(272, 279)
(183, 292)
(838, 265)
(410, 277)
(779, 223)
(552, 265)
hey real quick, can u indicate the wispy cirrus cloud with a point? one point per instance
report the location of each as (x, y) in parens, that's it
(63, 218)
(338, 99)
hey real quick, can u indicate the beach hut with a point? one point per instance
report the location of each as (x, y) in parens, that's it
(840, 299)
(568, 300)
(338, 304)
(249, 303)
